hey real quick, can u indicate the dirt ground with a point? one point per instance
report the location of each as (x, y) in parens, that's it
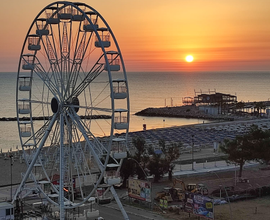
(246, 208)
(255, 209)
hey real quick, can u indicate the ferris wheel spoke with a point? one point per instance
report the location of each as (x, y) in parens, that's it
(89, 78)
(95, 144)
(39, 148)
(55, 135)
(64, 43)
(45, 77)
(82, 44)
(79, 51)
(92, 108)
(97, 149)
(78, 154)
(59, 62)
(40, 71)
(35, 139)
(40, 102)
(51, 55)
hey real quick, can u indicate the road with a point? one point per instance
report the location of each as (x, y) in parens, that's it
(113, 214)
(112, 211)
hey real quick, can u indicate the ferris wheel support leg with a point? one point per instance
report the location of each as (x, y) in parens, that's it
(119, 203)
(29, 170)
(61, 183)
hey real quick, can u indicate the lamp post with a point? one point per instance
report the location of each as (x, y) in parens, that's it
(192, 151)
(220, 192)
(139, 166)
(11, 164)
(180, 161)
(145, 177)
(225, 192)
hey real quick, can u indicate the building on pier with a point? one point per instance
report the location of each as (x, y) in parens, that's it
(215, 103)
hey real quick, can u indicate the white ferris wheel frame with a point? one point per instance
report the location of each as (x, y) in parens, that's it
(37, 138)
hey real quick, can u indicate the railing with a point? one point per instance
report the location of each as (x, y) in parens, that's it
(24, 83)
(25, 129)
(111, 174)
(66, 10)
(77, 12)
(24, 106)
(51, 15)
(33, 40)
(114, 61)
(120, 119)
(119, 89)
(120, 148)
(104, 37)
(94, 21)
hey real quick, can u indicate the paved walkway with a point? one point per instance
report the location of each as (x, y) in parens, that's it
(135, 211)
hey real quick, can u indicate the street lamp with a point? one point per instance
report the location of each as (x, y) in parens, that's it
(225, 192)
(11, 164)
(130, 158)
(192, 151)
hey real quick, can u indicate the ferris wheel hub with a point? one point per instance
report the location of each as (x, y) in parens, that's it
(75, 101)
(54, 105)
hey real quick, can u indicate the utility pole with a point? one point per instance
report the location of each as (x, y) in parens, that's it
(11, 164)
(192, 151)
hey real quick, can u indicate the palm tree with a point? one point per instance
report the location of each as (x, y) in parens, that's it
(240, 105)
(259, 106)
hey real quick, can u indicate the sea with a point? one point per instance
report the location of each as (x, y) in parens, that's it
(151, 89)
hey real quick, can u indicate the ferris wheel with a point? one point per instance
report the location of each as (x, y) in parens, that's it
(72, 104)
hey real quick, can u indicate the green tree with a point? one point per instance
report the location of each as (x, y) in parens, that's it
(240, 105)
(263, 153)
(171, 153)
(127, 169)
(259, 106)
(238, 151)
(261, 143)
(157, 165)
(135, 164)
(140, 156)
(247, 147)
(161, 163)
(139, 144)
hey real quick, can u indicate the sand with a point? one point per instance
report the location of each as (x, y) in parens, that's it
(6, 169)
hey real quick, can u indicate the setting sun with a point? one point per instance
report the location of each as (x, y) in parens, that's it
(189, 58)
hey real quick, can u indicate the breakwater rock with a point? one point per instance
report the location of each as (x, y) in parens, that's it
(48, 118)
(187, 111)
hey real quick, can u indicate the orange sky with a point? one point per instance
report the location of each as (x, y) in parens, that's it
(156, 35)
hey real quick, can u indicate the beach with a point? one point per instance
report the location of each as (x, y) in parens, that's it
(6, 169)
(202, 136)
